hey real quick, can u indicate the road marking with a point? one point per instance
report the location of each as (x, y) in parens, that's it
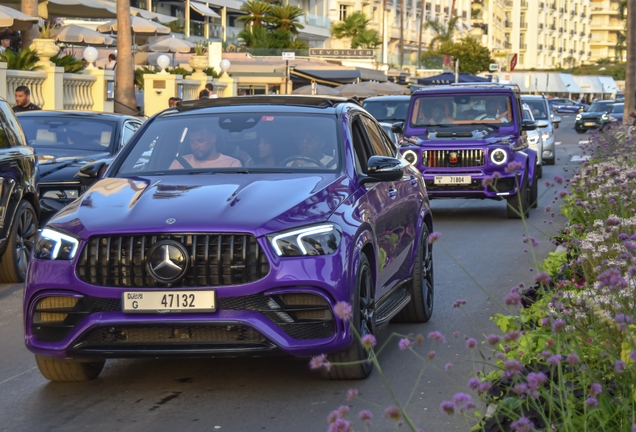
(557, 143)
(582, 142)
(20, 374)
(577, 158)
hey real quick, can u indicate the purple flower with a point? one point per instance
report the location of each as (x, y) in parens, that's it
(486, 181)
(513, 167)
(365, 415)
(591, 402)
(612, 221)
(634, 428)
(595, 389)
(459, 303)
(572, 359)
(333, 416)
(632, 355)
(463, 402)
(368, 341)
(619, 366)
(512, 299)
(471, 343)
(512, 335)
(351, 394)
(485, 386)
(435, 335)
(547, 209)
(405, 344)
(558, 325)
(340, 425)
(448, 366)
(493, 339)
(558, 179)
(613, 279)
(433, 237)
(320, 362)
(520, 389)
(522, 425)
(343, 410)
(473, 383)
(343, 311)
(496, 175)
(431, 355)
(393, 413)
(543, 278)
(447, 407)
(535, 380)
(513, 367)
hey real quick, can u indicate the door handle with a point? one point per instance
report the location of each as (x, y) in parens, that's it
(392, 193)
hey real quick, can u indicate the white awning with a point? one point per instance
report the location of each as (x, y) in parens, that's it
(608, 84)
(588, 84)
(204, 10)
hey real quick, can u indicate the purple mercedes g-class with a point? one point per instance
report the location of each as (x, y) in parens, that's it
(469, 141)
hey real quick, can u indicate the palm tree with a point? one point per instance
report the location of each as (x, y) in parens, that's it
(257, 12)
(125, 102)
(367, 39)
(443, 33)
(286, 18)
(29, 7)
(351, 26)
(621, 38)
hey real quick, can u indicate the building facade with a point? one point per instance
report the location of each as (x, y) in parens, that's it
(607, 28)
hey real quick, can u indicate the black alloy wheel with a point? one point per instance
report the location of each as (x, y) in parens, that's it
(15, 261)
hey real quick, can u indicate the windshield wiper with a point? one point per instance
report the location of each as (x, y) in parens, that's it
(436, 125)
(483, 124)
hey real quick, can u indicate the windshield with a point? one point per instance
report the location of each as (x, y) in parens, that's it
(387, 110)
(601, 106)
(618, 108)
(538, 107)
(68, 132)
(527, 116)
(461, 109)
(237, 142)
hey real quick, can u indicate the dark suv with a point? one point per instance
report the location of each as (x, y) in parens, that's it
(469, 141)
(19, 208)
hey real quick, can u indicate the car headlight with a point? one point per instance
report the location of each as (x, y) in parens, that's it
(320, 239)
(605, 117)
(498, 156)
(410, 156)
(533, 140)
(579, 116)
(546, 135)
(55, 245)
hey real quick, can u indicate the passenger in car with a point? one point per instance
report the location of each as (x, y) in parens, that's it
(438, 116)
(204, 154)
(266, 156)
(312, 145)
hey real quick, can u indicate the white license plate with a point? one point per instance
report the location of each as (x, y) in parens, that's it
(169, 301)
(590, 124)
(451, 180)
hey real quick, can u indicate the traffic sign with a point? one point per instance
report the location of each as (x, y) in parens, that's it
(493, 67)
(513, 62)
(289, 55)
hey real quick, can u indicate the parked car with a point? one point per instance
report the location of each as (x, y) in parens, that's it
(387, 109)
(461, 134)
(388, 128)
(561, 105)
(616, 115)
(620, 97)
(64, 142)
(160, 260)
(541, 111)
(535, 141)
(596, 117)
(19, 207)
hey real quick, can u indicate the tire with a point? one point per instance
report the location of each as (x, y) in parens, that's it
(364, 320)
(517, 204)
(534, 193)
(539, 171)
(422, 290)
(580, 131)
(20, 244)
(57, 370)
(549, 161)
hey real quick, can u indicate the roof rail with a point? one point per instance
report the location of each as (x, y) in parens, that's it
(300, 100)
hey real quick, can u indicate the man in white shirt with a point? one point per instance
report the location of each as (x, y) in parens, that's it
(112, 62)
(204, 153)
(210, 88)
(5, 42)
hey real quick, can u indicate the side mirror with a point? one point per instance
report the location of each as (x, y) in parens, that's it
(90, 173)
(543, 123)
(398, 128)
(520, 144)
(381, 169)
(528, 126)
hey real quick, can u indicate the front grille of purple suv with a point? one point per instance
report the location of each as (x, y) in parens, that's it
(215, 260)
(299, 315)
(454, 158)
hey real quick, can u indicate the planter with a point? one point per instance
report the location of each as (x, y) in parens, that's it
(198, 63)
(45, 48)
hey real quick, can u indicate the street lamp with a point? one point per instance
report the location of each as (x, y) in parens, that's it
(163, 61)
(225, 66)
(90, 55)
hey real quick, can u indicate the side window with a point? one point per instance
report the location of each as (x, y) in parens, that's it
(375, 138)
(13, 134)
(129, 130)
(390, 146)
(360, 145)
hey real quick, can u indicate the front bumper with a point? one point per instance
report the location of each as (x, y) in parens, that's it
(289, 311)
(585, 125)
(506, 185)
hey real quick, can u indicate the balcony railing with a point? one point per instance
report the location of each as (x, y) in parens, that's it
(552, 27)
(540, 47)
(561, 10)
(33, 80)
(540, 26)
(589, 53)
(508, 3)
(524, 4)
(316, 20)
(507, 45)
(571, 51)
(541, 5)
(508, 24)
(523, 46)
(560, 50)
(551, 47)
(560, 29)
(581, 52)
(582, 15)
(553, 6)
(572, 32)
(78, 92)
(582, 34)
(523, 25)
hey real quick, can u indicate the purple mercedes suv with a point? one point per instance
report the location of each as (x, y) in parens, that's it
(233, 227)
(469, 141)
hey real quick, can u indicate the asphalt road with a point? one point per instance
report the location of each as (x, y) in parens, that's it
(479, 258)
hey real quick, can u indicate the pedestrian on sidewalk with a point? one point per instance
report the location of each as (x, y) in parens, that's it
(23, 100)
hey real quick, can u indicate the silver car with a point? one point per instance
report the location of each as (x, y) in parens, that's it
(541, 111)
(535, 140)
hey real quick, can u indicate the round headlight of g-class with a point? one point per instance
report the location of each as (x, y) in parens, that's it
(498, 156)
(410, 156)
(579, 116)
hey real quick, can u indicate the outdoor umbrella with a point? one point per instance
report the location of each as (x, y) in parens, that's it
(139, 27)
(15, 20)
(387, 88)
(77, 35)
(319, 88)
(449, 78)
(169, 44)
(359, 90)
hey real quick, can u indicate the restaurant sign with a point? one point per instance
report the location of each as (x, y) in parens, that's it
(330, 52)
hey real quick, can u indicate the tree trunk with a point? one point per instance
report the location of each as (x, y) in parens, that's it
(630, 69)
(419, 37)
(125, 75)
(30, 7)
(401, 34)
(451, 13)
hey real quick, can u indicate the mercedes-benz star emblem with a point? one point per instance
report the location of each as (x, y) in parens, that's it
(170, 221)
(167, 261)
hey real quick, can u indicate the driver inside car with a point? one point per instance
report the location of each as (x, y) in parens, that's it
(311, 148)
(204, 154)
